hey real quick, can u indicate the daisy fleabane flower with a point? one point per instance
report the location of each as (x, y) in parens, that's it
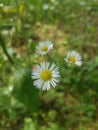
(73, 57)
(44, 47)
(45, 75)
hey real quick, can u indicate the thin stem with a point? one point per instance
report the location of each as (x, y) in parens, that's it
(2, 43)
(29, 54)
(50, 58)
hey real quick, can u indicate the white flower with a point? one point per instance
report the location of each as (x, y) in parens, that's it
(44, 47)
(73, 57)
(45, 6)
(1, 4)
(4, 32)
(45, 75)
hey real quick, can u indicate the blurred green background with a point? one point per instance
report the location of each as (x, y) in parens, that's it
(70, 24)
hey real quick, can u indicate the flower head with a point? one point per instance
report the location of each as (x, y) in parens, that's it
(44, 47)
(45, 75)
(73, 57)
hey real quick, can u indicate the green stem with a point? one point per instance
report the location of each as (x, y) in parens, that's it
(2, 43)
(16, 2)
(50, 58)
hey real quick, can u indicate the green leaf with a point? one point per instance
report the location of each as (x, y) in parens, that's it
(4, 101)
(24, 90)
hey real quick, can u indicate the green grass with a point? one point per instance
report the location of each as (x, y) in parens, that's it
(72, 25)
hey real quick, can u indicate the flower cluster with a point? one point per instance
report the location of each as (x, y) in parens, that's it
(47, 74)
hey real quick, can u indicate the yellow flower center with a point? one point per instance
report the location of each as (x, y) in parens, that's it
(71, 59)
(44, 48)
(46, 75)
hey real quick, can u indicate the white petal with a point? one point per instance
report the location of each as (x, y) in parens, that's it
(48, 85)
(43, 65)
(44, 87)
(38, 83)
(66, 59)
(78, 63)
(47, 65)
(52, 67)
(55, 80)
(53, 83)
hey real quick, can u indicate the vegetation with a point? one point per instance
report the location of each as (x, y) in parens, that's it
(71, 25)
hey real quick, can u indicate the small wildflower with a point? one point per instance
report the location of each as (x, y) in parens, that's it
(45, 6)
(1, 4)
(45, 75)
(44, 47)
(5, 32)
(73, 57)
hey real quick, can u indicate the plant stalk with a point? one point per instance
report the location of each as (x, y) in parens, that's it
(2, 43)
